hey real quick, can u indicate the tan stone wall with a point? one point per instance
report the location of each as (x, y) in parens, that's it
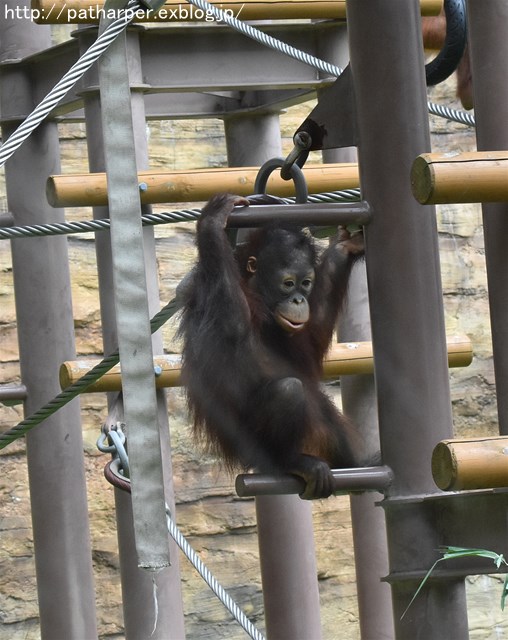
(220, 526)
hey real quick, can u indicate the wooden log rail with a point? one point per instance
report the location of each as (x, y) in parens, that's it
(88, 11)
(198, 185)
(473, 463)
(346, 358)
(443, 178)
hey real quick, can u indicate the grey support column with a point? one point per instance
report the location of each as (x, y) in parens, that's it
(137, 586)
(285, 530)
(46, 338)
(359, 403)
(405, 300)
(488, 28)
(369, 529)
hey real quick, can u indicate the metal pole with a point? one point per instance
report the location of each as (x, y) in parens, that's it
(488, 29)
(359, 402)
(285, 532)
(46, 338)
(405, 300)
(137, 586)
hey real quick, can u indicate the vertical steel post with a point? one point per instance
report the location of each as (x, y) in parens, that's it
(488, 31)
(368, 520)
(359, 402)
(137, 586)
(285, 529)
(46, 338)
(405, 300)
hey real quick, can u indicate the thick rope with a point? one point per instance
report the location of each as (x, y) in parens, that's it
(24, 130)
(80, 385)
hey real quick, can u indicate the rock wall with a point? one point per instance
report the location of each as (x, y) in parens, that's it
(219, 525)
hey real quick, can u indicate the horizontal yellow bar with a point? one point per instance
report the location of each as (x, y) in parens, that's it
(442, 178)
(198, 185)
(89, 11)
(346, 358)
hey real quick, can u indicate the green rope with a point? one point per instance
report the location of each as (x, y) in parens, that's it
(80, 385)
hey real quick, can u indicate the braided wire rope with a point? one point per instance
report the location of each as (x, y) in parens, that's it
(80, 385)
(115, 473)
(210, 580)
(333, 70)
(151, 219)
(265, 39)
(451, 114)
(67, 81)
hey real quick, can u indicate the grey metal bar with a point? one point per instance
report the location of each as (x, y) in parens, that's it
(304, 214)
(46, 338)
(405, 296)
(10, 392)
(244, 81)
(488, 26)
(288, 568)
(359, 403)
(285, 530)
(6, 220)
(137, 586)
(344, 481)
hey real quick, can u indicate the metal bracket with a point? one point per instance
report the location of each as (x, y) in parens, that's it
(332, 123)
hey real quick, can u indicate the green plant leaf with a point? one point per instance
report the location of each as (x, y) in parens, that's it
(450, 553)
(504, 594)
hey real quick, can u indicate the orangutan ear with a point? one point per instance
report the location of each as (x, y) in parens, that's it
(251, 264)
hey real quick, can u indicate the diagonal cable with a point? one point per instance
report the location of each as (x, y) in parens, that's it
(80, 385)
(77, 70)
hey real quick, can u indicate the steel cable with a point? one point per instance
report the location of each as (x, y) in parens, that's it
(151, 219)
(333, 70)
(80, 385)
(211, 581)
(84, 63)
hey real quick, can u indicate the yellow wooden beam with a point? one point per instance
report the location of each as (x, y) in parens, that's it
(442, 178)
(346, 358)
(472, 463)
(89, 11)
(198, 185)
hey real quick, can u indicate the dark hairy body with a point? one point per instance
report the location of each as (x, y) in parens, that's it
(256, 325)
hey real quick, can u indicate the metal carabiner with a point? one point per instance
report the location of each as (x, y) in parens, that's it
(299, 155)
(296, 175)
